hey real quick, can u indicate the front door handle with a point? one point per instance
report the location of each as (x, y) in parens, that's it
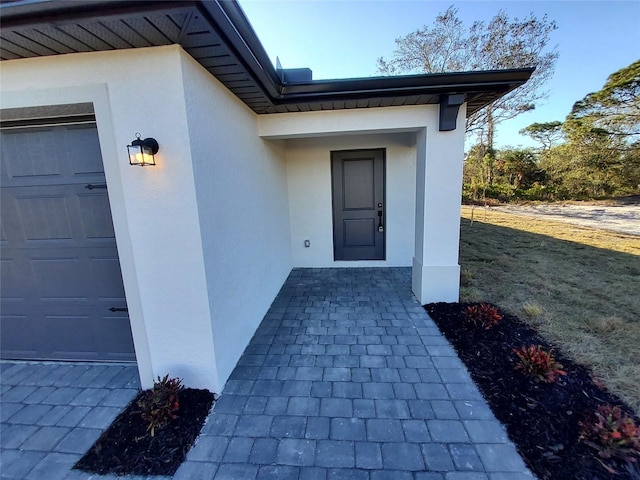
(380, 226)
(118, 309)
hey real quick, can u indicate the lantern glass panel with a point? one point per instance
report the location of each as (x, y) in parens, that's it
(141, 155)
(136, 156)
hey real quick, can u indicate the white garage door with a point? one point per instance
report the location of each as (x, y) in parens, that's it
(61, 293)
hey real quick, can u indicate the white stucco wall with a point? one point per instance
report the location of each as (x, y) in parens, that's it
(241, 187)
(154, 209)
(207, 237)
(437, 176)
(436, 272)
(309, 183)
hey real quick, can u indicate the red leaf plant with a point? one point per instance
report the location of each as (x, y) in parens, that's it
(538, 363)
(483, 315)
(160, 404)
(612, 433)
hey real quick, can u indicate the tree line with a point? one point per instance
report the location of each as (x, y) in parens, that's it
(594, 153)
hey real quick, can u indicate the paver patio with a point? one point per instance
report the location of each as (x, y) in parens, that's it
(345, 378)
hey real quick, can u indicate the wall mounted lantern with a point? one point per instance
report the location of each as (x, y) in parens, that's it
(141, 152)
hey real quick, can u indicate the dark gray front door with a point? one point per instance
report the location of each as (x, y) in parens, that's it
(358, 204)
(60, 267)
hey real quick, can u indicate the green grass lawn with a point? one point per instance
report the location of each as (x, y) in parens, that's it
(580, 287)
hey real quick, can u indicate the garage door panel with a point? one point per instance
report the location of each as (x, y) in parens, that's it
(69, 284)
(96, 215)
(44, 217)
(84, 149)
(46, 274)
(82, 274)
(58, 213)
(60, 267)
(16, 276)
(31, 153)
(20, 335)
(12, 232)
(82, 332)
(106, 275)
(74, 341)
(90, 337)
(13, 280)
(51, 155)
(115, 343)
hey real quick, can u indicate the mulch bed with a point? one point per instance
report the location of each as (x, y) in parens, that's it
(126, 447)
(541, 418)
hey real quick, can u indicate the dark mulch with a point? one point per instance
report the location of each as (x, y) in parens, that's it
(540, 418)
(126, 448)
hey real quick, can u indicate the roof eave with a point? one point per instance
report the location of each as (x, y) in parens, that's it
(234, 24)
(239, 30)
(502, 81)
(228, 20)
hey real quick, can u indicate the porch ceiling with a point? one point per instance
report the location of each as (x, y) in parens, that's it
(218, 35)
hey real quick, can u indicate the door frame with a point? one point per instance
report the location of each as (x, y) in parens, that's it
(381, 236)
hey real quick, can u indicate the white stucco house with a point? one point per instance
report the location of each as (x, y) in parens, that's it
(259, 170)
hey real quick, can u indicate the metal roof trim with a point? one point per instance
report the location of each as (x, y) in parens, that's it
(412, 84)
(33, 12)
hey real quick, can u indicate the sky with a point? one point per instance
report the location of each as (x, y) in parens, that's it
(344, 39)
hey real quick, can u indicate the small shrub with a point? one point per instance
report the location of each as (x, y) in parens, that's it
(537, 192)
(612, 433)
(532, 309)
(160, 404)
(606, 325)
(538, 363)
(483, 315)
(466, 277)
(502, 191)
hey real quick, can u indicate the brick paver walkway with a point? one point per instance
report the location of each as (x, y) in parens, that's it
(346, 378)
(53, 412)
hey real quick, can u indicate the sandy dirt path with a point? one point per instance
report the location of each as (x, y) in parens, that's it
(623, 218)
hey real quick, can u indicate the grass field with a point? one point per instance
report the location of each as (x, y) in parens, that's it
(580, 287)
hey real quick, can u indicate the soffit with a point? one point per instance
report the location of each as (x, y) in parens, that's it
(120, 26)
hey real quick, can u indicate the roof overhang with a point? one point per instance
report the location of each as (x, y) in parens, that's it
(218, 35)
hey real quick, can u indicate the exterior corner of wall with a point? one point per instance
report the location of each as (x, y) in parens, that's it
(435, 283)
(242, 206)
(416, 280)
